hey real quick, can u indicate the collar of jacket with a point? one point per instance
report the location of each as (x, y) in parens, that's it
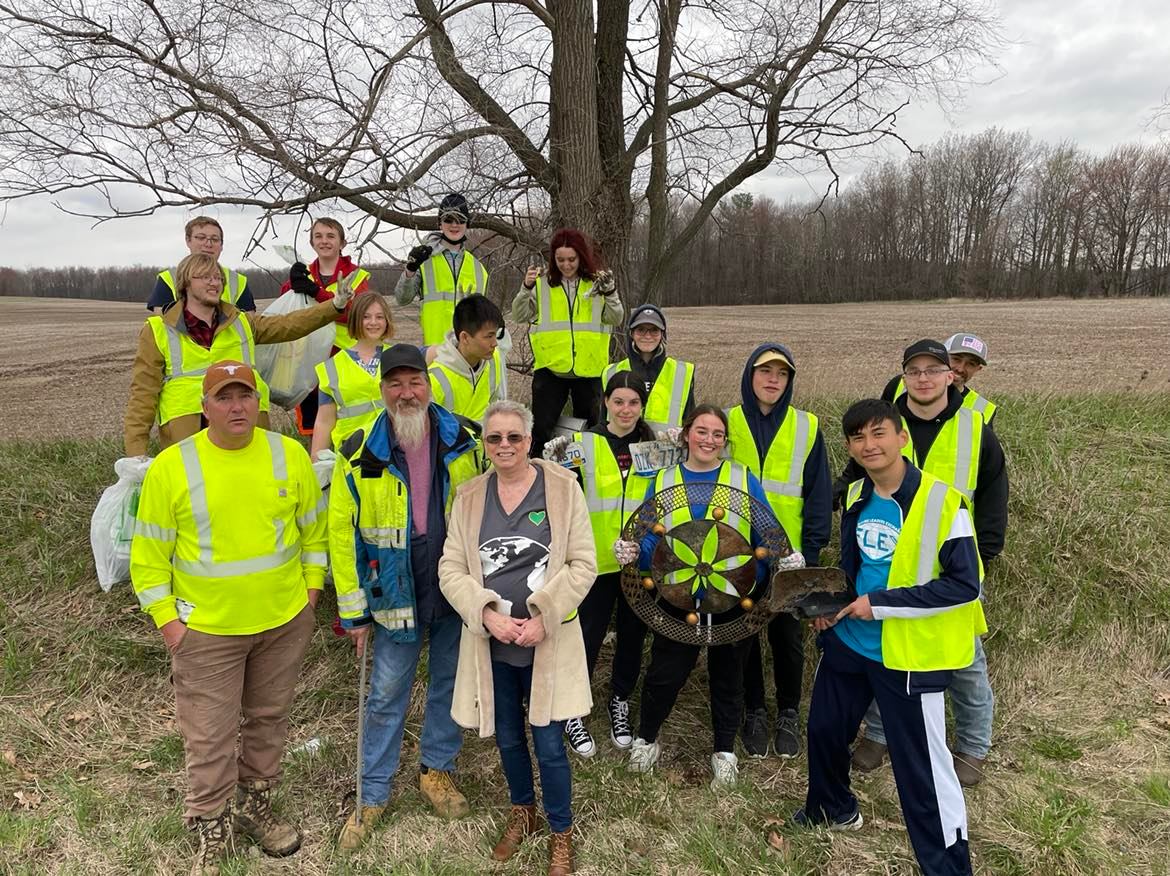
(173, 315)
(453, 439)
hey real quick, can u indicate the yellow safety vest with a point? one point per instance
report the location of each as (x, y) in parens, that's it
(782, 474)
(668, 396)
(234, 284)
(971, 399)
(186, 362)
(459, 395)
(954, 455)
(565, 341)
(731, 474)
(441, 291)
(610, 498)
(342, 339)
(356, 392)
(938, 641)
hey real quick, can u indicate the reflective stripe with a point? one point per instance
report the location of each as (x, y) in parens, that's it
(314, 558)
(493, 373)
(445, 385)
(232, 568)
(197, 493)
(279, 473)
(678, 392)
(932, 521)
(313, 513)
(344, 411)
(353, 601)
(232, 287)
(480, 274)
(151, 595)
(153, 530)
(384, 536)
(792, 486)
(245, 341)
(595, 503)
(544, 294)
(965, 423)
(979, 405)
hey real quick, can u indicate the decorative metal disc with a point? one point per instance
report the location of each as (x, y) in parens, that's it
(703, 567)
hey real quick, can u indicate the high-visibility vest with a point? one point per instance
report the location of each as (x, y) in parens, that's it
(185, 362)
(468, 398)
(441, 290)
(782, 474)
(954, 455)
(234, 284)
(731, 474)
(610, 497)
(971, 399)
(565, 341)
(342, 339)
(938, 641)
(356, 392)
(668, 396)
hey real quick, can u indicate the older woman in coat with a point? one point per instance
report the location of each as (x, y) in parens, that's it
(518, 560)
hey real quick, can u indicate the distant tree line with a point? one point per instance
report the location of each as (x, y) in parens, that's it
(989, 215)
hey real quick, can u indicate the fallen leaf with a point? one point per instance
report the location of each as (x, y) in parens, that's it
(129, 609)
(9, 757)
(777, 842)
(144, 765)
(1162, 699)
(773, 821)
(27, 799)
(78, 717)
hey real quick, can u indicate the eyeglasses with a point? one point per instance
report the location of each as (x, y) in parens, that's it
(203, 238)
(915, 373)
(211, 278)
(454, 218)
(512, 438)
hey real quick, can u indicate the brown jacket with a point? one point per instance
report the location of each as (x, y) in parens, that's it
(146, 377)
(560, 680)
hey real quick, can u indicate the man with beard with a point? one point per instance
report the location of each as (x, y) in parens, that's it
(387, 526)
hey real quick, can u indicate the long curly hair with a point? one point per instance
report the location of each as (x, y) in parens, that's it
(589, 264)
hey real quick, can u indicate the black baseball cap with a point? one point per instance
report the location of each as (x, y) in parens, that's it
(403, 356)
(927, 347)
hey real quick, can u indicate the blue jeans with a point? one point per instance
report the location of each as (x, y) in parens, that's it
(389, 698)
(972, 702)
(511, 686)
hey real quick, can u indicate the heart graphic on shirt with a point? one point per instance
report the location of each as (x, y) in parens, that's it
(537, 517)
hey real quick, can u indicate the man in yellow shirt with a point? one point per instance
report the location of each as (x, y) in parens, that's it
(232, 585)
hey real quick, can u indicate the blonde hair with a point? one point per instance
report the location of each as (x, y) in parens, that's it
(195, 265)
(357, 312)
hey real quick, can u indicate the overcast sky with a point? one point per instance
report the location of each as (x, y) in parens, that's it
(1081, 70)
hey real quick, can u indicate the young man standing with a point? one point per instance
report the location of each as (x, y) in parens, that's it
(968, 356)
(232, 586)
(467, 372)
(782, 446)
(202, 235)
(951, 442)
(442, 271)
(908, 548)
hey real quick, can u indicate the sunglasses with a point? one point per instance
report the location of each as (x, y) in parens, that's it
(455, 218)
(512, 438)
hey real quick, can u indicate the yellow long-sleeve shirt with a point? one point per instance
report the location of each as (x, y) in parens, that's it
(239, 535)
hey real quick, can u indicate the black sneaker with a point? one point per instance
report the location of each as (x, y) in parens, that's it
(787, 739)
(579, 738)
(619, 723)
(754, 732)
(852, 821)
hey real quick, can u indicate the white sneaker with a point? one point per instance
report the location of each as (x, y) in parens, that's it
(644, 755)
(619, 723)
(725, 766)
(579, 738)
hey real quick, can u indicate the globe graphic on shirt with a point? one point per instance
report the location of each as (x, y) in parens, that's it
(496, 553)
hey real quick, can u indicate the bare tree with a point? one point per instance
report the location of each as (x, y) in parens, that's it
(543, 113)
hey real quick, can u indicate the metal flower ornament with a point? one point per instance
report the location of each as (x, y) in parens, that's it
(705, 569)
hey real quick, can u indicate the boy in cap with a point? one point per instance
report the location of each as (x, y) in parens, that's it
(967, 355)
(951, 441)
(670, 383)
(442, 270)
(782, 446)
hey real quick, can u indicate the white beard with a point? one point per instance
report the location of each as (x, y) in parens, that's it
(411, 424)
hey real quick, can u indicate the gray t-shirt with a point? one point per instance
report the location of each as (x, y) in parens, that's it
(513, 550)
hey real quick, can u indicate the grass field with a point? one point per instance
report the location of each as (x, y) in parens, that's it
(1079, 605)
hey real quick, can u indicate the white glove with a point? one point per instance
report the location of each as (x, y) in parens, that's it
(554, 448)
(794, 560)
(672, 435)
(344, 293)
(603, 283)
(626, 552)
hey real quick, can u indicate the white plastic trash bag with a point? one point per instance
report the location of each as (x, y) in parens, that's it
(112, 526)
(289, 368)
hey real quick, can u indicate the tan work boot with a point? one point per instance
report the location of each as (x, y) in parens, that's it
(560, 853)
(255, 818)
(969, 769)
(868, 755)
(216, 841)
(354, 834)
(522, 822)
(439, 789)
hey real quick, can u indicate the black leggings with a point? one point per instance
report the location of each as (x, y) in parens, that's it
(595, 611)
(786, 636)
(549, 394)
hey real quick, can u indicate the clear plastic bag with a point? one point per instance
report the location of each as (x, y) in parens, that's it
(289, 368)
(111, 529)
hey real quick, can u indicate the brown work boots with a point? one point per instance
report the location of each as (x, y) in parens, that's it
(354, 833)
(216, 841)
(868, 755)
(255, 818)
(560, 853)
(439, 790)
(522, 823)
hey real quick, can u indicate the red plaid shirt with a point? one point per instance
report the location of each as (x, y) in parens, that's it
(200, 332)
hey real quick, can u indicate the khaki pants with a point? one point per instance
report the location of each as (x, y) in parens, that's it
(218, 678)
